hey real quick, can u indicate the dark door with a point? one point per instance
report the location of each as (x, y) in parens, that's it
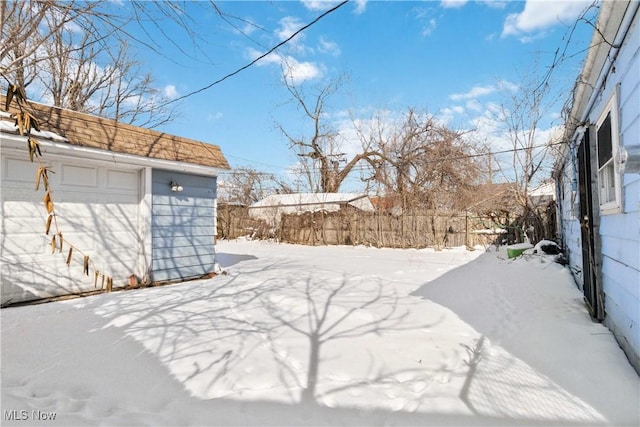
(591, 285)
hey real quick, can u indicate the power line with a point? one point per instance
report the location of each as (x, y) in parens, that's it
(269, 52)
(366, 167)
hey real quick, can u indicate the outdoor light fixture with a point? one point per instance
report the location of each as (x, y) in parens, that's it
(175, 186)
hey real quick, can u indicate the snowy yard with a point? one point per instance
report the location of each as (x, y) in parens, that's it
(298, 335)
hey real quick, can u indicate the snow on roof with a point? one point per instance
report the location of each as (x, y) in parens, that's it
(9, 127)
(547, 189)
(272, 207)
(61, 125)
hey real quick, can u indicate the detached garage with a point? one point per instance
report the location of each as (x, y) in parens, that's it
(137, 202)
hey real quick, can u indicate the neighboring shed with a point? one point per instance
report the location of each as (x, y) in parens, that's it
(271, 208)
(544, 194)
(114, 200)
(598, 192)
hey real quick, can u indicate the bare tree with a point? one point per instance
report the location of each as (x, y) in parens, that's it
(105, 81)
(246, 185)
(522, 112)
(79, 54)
(422, 163)
(321, 160)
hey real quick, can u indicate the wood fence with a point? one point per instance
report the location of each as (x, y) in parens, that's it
(353, 227)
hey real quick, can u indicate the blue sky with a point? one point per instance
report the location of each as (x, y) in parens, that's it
(446, 58)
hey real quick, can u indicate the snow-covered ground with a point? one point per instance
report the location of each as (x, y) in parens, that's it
(297, 335)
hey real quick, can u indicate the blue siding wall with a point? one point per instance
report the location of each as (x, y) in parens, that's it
(568, 208)
(182, 226)
(620, 232)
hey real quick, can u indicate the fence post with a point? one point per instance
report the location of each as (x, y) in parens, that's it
(466, 229)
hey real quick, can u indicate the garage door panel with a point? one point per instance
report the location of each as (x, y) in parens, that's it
(79, 176)
(18, 170)
(24, 209)
(34, 279)
(99, 220)
(122, 180)
(120, 210)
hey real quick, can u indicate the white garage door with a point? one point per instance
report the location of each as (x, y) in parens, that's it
(97, 211)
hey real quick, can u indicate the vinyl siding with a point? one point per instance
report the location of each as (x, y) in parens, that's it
(182, 226)
(620, 233)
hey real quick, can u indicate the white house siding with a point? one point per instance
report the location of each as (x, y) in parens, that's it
(97, 211)
(183, 226)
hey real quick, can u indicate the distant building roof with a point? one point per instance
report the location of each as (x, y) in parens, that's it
(85, 130)
(272, 207)
(544, 193)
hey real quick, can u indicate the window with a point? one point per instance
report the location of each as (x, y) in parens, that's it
(607, 146)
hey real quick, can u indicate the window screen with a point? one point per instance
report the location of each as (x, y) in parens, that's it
(604, 141)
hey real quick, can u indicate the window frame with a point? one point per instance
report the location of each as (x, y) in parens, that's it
(614, 203)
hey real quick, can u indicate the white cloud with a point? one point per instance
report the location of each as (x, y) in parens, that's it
(475, 92)
(272, 58)
(249, 26)
(539, 15)
(301, 71)
(445, 116)
(212, 117)
(473, 105)
(170, 91)
(288, 26)
(327, 46)
(495, 4)
(361, 5)
(508, 86)
(429, 27)
(319, 5)
(426, 20)
(322, 5)
(452, 4)
(296, 70)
